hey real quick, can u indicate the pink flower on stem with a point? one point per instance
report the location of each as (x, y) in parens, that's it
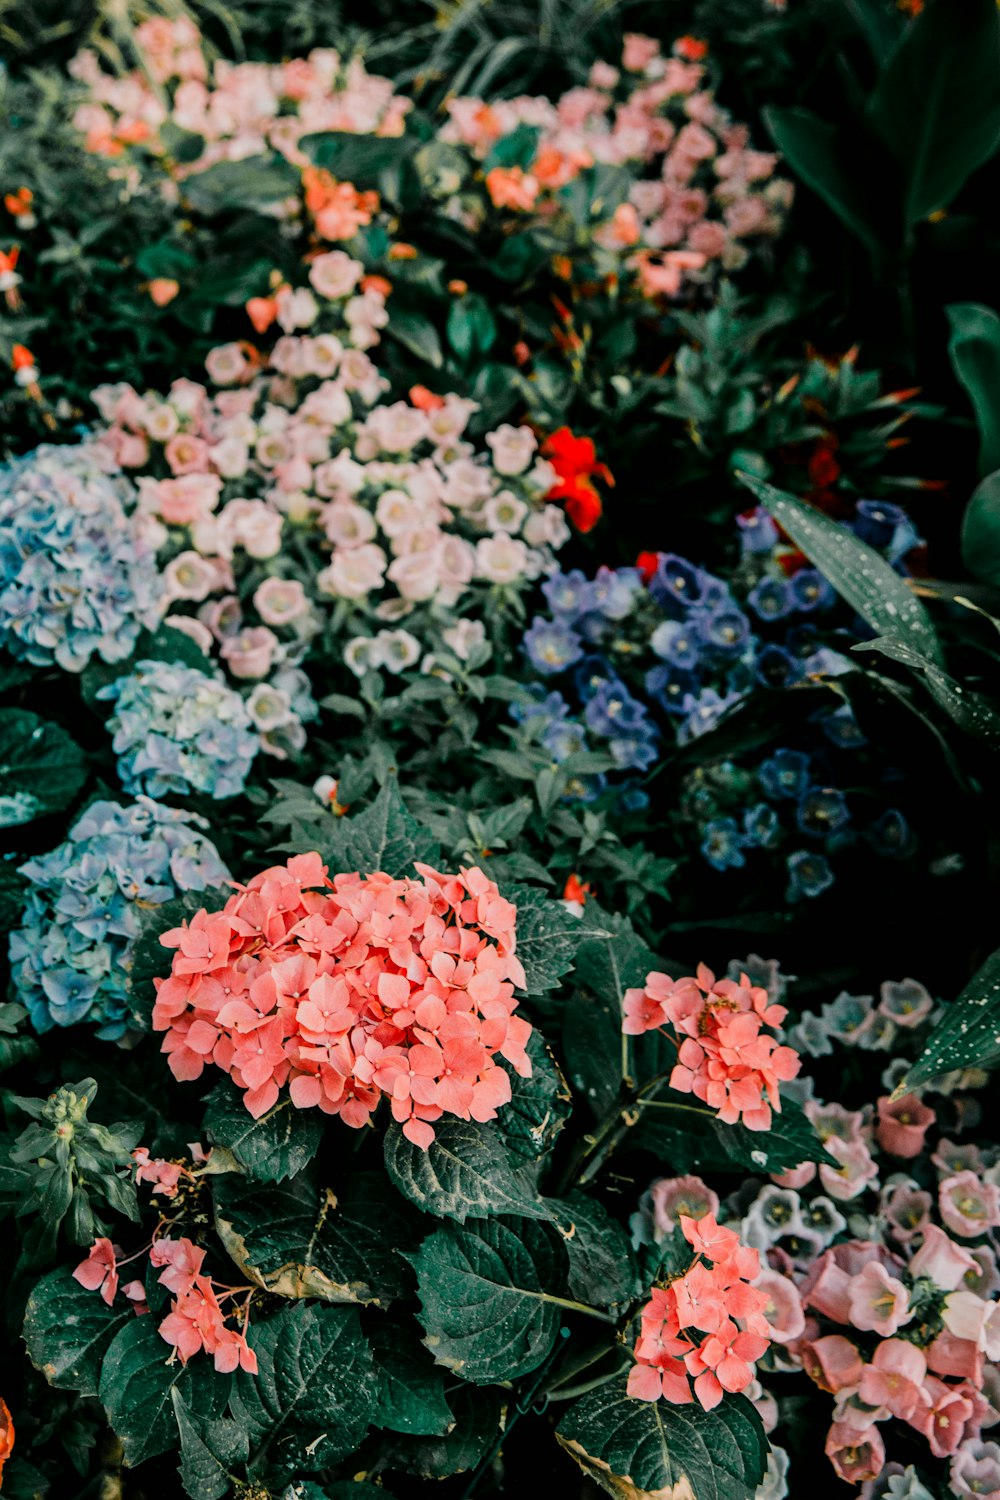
(99, 1270)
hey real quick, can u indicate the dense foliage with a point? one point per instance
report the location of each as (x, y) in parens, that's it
(499, 528)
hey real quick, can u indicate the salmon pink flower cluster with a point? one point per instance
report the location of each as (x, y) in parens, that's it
(699, 193)
(703, 1331)
(724, 1058)
(238, 110)
(197, 1320)
(351, 989)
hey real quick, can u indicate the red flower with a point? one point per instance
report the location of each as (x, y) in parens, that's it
(691, 48)
(575, 462)
(6, 1434)
(647, 563)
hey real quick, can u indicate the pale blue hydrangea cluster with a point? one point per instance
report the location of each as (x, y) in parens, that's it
(77, 580)
(69, 957)
(178, 729)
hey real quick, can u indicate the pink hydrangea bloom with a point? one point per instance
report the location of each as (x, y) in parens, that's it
(351, 990)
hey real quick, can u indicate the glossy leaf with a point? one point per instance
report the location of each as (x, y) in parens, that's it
(41, 767)
(68, 1330)
(210, 1450)
(279, 1144)
(530, 1124)
(411, 1396)
(970, 710)
(815, 151)
(602, 1267)
(974, 348)
(981, 531)
(138, 1380)
(968, 1035)
(465, 1172)
(254, 183)
(384, 836)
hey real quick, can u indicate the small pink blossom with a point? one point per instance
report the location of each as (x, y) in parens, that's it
(902, 1125)
(99, 1270)
(969, 1205)
(878, 1302)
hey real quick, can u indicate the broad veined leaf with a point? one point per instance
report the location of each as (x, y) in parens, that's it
(416, 332)
(539, 1106)
(814, 149)
(312, 1399)
(974, 348)
(694, 1139)
(602, 1268)
(303, 1240)
(969, 1034)
(970, 710)
(41, 767)
(138, 1380)
(488, 1308)
(870, 586)
(278, 1145)
(937, 102)
(385, 836)
(210, 1450)
(256, 182)
(476, 1416)
(650, 1450)
(547, 936)
(411, 1395)
(981, 530)
(465, 1172)
(68, 1330)
(358, 159)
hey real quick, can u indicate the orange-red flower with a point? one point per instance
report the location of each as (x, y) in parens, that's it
(575, 462)
(6, 1435)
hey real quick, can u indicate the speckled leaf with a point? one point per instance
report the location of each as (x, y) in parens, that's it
(303, 1240)
(68, 1330)
(969, 1034)
(870, 586)
(486, 1293)
(411, 1395)
(539, 1106)
(602, 1267)
(465, 1172)
(476, 1412)
(548, 936)
(969, 710)
(279, 1144)
(311, 1401)
(649, 1450)
(210, 1450)
(41, 767)
(385, 836)
(137, 1384)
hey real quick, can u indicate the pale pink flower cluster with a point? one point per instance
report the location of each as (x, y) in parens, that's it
(239, 110)
(351, 989)
(706, 1326)
(724, 1058)
(165, 1177)
(197, 1320)
(701, 193)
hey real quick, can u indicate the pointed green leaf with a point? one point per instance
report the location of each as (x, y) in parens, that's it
(974, 348)
(476, 1417)
(385, 836)
(636, 1450)
(602, 1268)
(981, 531)
(857, 572)
(312, 1399)
(814, 150)
(68, 1330)
(210, 1450)
(300, 1240)
(256, 182)
(969, 710)
(488, 1307)
(411, 1395)
(138, 1377)
(41, 767)
(539, 1107)
(279, 1144)
(969, 1034)
(464, 1173)
(548, 936)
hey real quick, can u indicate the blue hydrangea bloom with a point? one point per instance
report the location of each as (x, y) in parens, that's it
(69, 957)
(77, 580)
(551, 646)
(179, 729)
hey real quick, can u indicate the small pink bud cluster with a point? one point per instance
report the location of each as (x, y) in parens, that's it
(197, 1320)
(723, 1058)
(713, 1298)
(166, 1176)
(351, 989)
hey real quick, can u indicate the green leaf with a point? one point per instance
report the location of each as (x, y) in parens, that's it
(385, 836)
(969, 710)
(411, 1395)
(472, 329)
(602, 1268)
(41, 767)
(693, 1139)
(417, 333)
(358, 159)
(857, 572)
(137, 1385)
(256, 182)
(486, 1292)
(464, 1173)
(276, 1146)
(210, 1450)
(636, 1450)
(815, 150)
(476, 1413)
(339, 1489)
(68, 1330)
(937, 102)
(974, 349)
(969, 1033)
(299, 1240)
(548, 936)
(539, 1106)
(312, 1399)
(981, 531)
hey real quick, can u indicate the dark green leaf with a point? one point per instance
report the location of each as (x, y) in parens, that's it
(385, 836)
(476, 1413)
(465, 1172)
(548, 936)
(539, 1106)
(256, 182)
(411, 1387)
(276, 1146)
(974, 347)
(210, 1450)
(137, 1384)
(968, 1035)
(981, 531)
(358, 159)
(815, 150)
(41, 767)
(969, 710)
(68, 1330)
(417, 333)
(312, 1399)
(602, 1268)
(637, 1449)
(299, 1240)
(488, 1306)
(857, 572)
